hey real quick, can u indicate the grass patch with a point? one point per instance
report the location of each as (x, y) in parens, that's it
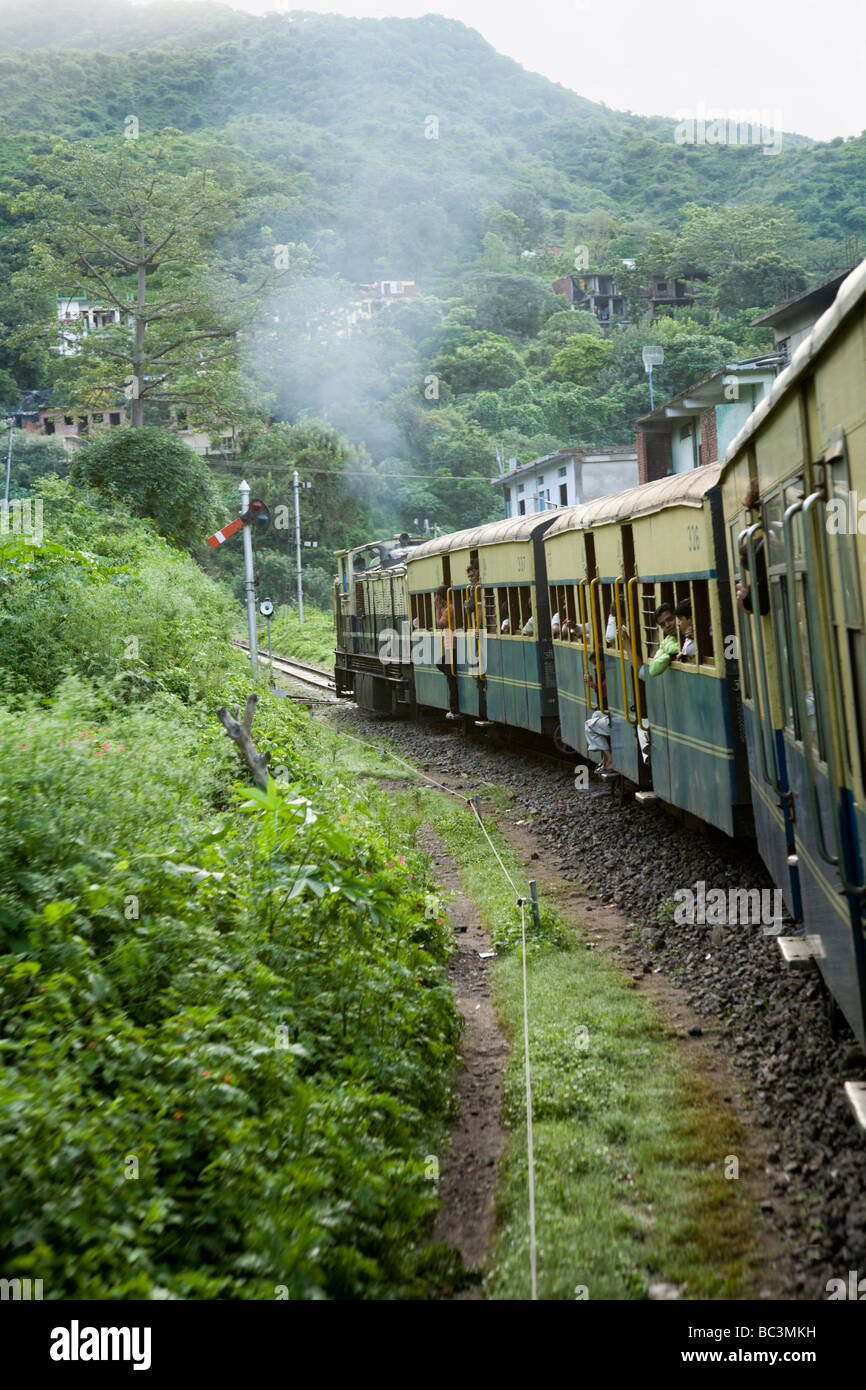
(312, 640)
(358, 758)
(630, 1146)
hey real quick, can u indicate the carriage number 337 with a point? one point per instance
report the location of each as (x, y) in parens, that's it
(694, 537)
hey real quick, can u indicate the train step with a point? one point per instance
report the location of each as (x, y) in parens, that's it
(798, 952)
(855, 1094)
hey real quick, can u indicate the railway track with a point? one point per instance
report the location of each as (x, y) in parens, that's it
(298, 670)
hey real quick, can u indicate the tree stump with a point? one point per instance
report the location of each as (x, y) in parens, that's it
(240, 731)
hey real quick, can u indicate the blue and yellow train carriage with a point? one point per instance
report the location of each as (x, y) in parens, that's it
(500, 647)
(792, 482)
(610, 564)
(675, 541)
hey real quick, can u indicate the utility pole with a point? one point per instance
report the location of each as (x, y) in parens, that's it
(298, 547)
(8, 463)
(244, 490)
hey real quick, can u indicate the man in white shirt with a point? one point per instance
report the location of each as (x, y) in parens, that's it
(686, 628)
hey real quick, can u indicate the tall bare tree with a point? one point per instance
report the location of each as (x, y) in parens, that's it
(126, 230)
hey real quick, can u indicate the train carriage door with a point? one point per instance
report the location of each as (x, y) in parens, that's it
(847, 618)
(654, 690)
(593, 634)
(626, 614)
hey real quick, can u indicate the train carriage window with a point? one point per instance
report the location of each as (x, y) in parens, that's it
(647, 618)
(504, 611)
(841, 534)
(841, 543)
(491, 623)
(857, 650)
(560, 594)
(781, 628)
(773, 513)
(571, 610)
(466, 605)
(514, 611)
(615, 590)
(742, 650)
(428, 613)
(702, 622)
(813, 730)
(525, 604)
(606, 601)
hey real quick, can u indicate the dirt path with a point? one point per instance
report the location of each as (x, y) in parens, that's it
(467, 1181)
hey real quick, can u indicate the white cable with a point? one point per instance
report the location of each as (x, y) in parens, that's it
(529, 1144)
(474, 809)
(522, 902)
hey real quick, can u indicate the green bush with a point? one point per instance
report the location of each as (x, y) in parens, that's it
(225, 1031)
(108, 598)
(155, 475)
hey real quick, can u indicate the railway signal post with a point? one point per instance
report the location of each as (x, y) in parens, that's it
(250, 579)
(266, 608)
(252, 513)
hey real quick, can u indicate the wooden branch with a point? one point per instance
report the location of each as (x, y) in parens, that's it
(241, 734)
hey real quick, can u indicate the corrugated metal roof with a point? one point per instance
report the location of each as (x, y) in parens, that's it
(851, 291)
(520, 528)
(679, 490)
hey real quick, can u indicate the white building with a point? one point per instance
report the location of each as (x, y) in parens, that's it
(566, 478)
(79, 315)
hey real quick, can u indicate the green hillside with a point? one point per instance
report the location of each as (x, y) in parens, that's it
(411, 149)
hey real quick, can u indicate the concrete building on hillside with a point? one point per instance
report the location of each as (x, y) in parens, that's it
(567, 477)
(596, 293)
(78, 315)
(666, 293)
(372, 299)
(696, 426)
(76, 425)
(794, 320)
(34, 414)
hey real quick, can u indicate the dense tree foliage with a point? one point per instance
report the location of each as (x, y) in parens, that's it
(409, 148)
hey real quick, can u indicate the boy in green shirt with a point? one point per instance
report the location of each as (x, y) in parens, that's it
(668, 647)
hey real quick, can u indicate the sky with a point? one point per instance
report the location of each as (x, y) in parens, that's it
(801, 63)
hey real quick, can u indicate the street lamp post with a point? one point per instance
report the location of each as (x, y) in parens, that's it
(652, 357)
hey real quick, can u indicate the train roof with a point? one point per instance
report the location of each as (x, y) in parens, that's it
(518, 528)
(850, 293)
(679, 490)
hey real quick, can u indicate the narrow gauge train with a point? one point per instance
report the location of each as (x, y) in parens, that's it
(761, 731)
